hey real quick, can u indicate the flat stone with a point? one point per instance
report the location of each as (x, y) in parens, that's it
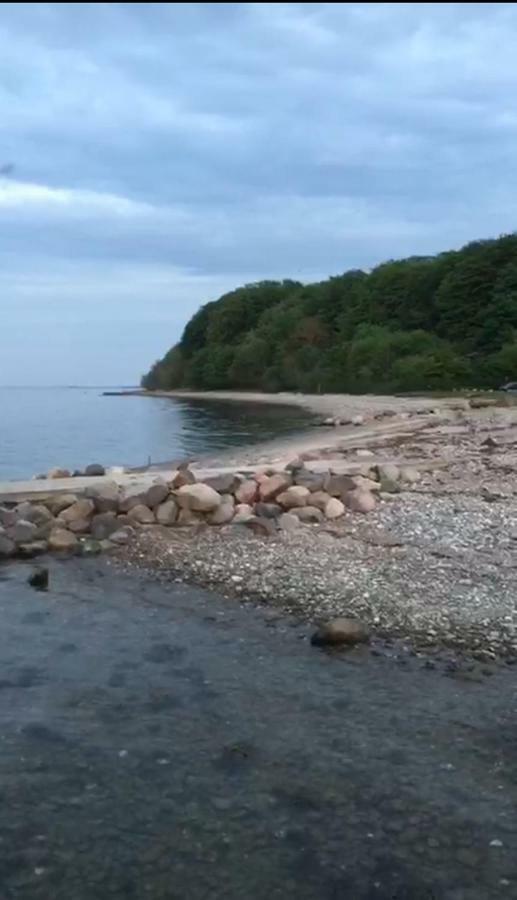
(341, 631)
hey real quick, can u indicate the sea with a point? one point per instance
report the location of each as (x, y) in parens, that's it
(71, 427)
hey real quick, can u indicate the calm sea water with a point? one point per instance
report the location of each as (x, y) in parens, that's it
(45, 427)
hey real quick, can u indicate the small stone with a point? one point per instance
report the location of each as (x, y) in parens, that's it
(90, 547)
(39, 578)
(364, 454)
(59, 473)
(496, 843)
(268, 510)
(243, 513)
(388, 486)
(409, 475)
(63, 540)
(359, 500)
(263, 527)
(308, 514)
(95, 469)
(341, 631)
(388, 471)
(334, 509)
(357, 420)
(122, 536)
(288, 522)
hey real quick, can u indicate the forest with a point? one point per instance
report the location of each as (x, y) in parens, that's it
(423, 323)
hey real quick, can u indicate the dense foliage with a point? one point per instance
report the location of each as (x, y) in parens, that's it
(421, 323)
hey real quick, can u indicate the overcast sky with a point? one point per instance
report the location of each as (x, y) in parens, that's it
(164, 154)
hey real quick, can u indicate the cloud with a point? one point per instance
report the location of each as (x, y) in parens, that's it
(165, 153)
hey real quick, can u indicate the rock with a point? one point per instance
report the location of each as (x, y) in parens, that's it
(105, 496)
(489, 443)
(388, 486)
(267, 510)
(224, 484)
(23, 531)
(62, 540)
(59, 473)
(103, 525)
(223, 514)
(7, 517)
(366, 484)
(388, 470)
(482, 402)
(247, 492)
(308, 514)
(58, 503)
(243, 514)
(409, 475)
(311, 480)
(263, 527)
(79, 526)
(320, 499)
(143, 494)
(95, 469)
(122, 536)
(182, 477)
(295, 465)
(31, 549)
(198, 497)
(336, 485)
(190, 517)
(359, 500)
(39, 578)
(141, 514)
(357, 420)
(341, 631)
(328, 421)
(7, 547)
(274, 485)
(81, 509)
(288, 522)
(167, 512)
(334, 509)
(90, 547)
(156, 494)
(364, 454)
(295, 496)
(34, 512)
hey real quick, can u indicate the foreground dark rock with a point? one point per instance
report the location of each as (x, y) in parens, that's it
(341, 631)
(39, 578)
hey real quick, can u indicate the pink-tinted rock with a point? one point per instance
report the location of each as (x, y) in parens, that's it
(247, 492)
(274, 485)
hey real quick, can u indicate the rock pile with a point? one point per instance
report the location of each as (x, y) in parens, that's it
(107, 515)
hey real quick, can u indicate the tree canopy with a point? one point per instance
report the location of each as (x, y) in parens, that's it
(423, 323)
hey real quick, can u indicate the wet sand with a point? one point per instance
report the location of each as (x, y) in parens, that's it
(159, 741)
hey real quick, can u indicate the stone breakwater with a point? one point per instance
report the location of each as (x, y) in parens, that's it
(106, 514)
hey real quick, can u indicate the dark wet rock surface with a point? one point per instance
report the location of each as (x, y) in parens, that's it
(157, 741)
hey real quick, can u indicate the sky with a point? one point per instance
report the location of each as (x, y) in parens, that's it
(154, 156)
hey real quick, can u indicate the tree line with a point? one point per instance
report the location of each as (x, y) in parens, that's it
(422, 323)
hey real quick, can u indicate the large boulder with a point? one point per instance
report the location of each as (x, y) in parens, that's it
(95, 469)
(308, 514)
(103, 525)
(23, 531)
(341, 631)
(105, 495)
(273, 485)
(143, 494)
(62, 540)
(141, 514)
(247, 492)
(295, 496)
(334, 508)
(81, 509)
(34, 512)
(167, 512)
(59, 502)
(359, 500)
(59, 473)
(198, 497)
